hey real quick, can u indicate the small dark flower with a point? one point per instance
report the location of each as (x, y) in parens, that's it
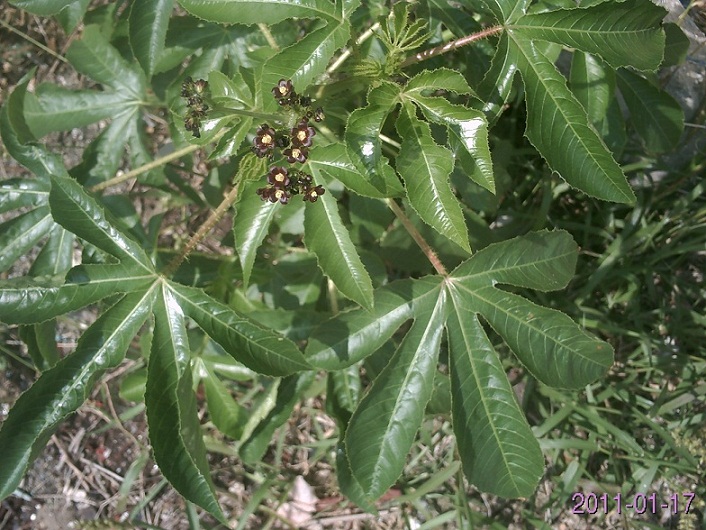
(200, 86)
(199, 110)
(304, 101)
(296, 154)
(281, 195)
(283, 89)
(319, 115)
(302, 134)
(278, 177)
(264, 140)
(192, 123)
(312, 194)
(187, 87)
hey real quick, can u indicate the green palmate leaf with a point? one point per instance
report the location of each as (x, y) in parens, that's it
(438, 79)
(593, 84)
(328, 238)
(80, 214)
(28, 301)
(54, 259)
(256, 347)
(382, 428)
(425, 168)
(506, 10)
(362, 139)
(622, 33)
(347, 483)
(19, 140)
(255, 11)
(500, 455)
(306, 60)
(175, 432)
(343, 389)
(18, 193)
(468, 137)
(147, 28)
(93, 56)
(676, 47)
(62, 389)
(557, 125)
(225, 413)
(56, 255)
(71, 15)
(544, 261)
(41, 344)
(333, 160)
(552, 347)
(20, 234)
(353, 335)
(102, 157)
(40, 7)
(232, 93)
(496, 86)
(289, 393)
(657, 116)
(251, 223)
(57, 109)
(230, 142)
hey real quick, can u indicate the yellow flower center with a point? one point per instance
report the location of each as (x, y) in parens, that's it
(313, 194)
(296, 153)
(279, 177)
(283, 90)
(301, 135)
(266, 139)
(279, 193)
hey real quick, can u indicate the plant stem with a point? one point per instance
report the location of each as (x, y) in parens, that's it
(203, 230)
(418, 238)
(449, 46)
(268, 36)
(347, 53)
(145, 168)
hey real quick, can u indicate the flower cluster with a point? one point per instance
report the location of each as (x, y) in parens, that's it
(195, 93)
(294, 143)
(283, 183)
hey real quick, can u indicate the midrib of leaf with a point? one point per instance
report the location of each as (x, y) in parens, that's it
(21, 191)
(119, 104)
(307, 10)
(570, 30)
(479, 385)
(439, 306)
(492, 270)
(557, 102)
(391, 314)
(21, 236)
(122, 83)
(60, 243)
(342, 242)
(414, 122)
(88, 368)
(274, 353)
(523, 323)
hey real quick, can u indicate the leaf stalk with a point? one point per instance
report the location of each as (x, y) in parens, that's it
(203, 231)
(450, 46)
(418, 238)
